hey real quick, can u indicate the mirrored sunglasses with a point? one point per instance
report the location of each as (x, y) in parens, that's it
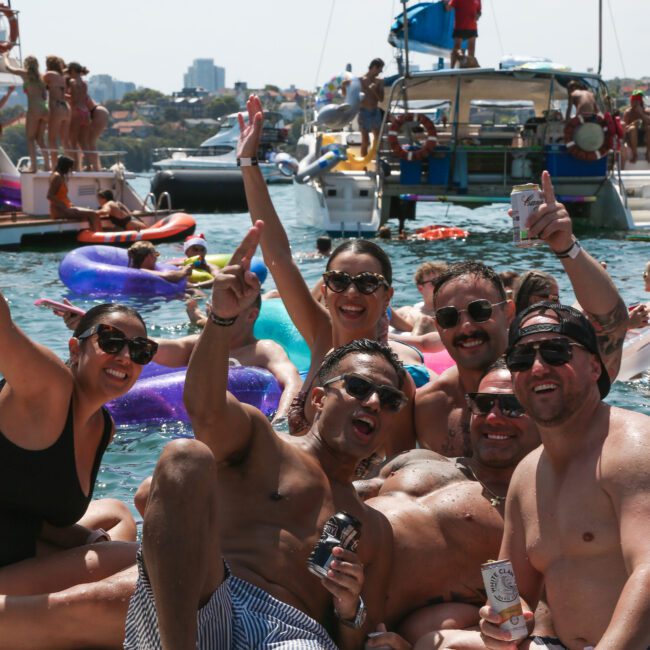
(360, 388)
(366, 283)
(478, 310)
(112, 340)
(554, 352)
(483, 403)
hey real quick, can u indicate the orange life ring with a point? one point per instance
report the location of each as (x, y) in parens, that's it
(441, 232)
(12, 17)
(396, 123)
(574, 124)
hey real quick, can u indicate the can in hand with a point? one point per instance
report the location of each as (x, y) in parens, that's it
(342, 529)
(525, 200)
(503, 596)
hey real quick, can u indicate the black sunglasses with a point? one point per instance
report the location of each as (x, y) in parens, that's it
(361, 388)
(483, 403)
(554, 352)
(478, 310)
(112, 340)
(366, 283)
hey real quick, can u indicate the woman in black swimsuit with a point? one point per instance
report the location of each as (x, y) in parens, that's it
(53, 432)
(118, 214)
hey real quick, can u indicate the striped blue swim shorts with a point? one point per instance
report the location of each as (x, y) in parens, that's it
(238, 616)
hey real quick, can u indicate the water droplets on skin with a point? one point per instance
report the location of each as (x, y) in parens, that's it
(132, 455)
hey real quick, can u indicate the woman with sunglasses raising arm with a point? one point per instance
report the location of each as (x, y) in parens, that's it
(357, 288)
(54, 430)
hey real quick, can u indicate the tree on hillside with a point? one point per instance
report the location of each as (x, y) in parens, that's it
(220, 106)
(143, 95)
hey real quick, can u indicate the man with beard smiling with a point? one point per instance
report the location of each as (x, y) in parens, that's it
(578, 512)
(447, 516)
(472, 318)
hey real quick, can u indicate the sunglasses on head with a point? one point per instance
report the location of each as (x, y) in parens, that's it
(479, 311)
(545, 297)
(112, 340)
(361, 388)
(554, 352)
(483, 403)
(366, 283)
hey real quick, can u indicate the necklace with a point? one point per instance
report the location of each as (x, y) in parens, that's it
(495, 499)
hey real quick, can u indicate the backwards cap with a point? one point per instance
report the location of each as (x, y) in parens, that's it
(195, 240)
(571, 323)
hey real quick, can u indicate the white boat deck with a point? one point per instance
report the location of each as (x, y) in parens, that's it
(636, 180)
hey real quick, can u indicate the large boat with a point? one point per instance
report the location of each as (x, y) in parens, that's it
(467, 136)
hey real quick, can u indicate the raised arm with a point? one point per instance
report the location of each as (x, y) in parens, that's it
(218, 418)
(311, 319)
(21, 72)
(593, 287)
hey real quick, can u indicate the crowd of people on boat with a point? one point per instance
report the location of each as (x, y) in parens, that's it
(61, 115)
(511, 452)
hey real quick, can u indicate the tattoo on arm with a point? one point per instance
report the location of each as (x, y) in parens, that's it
(610, 328)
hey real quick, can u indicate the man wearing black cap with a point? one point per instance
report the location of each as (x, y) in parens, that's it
(578, 508)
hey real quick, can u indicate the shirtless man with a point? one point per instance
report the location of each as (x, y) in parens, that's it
(475, 333)
(118, 214)
(267, 499)
(460, 506)
(420, 316)
(581, 526)
(583, 99)
(369, 114)
(635, 118)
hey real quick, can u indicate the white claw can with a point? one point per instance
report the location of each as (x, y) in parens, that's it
(524, 199)
(503, 596)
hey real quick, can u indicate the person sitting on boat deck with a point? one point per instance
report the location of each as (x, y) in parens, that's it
(582, 99)
(435, 579)
(421, 315)
(509, 279)
(635, 119)
(370, 115)
(268, 497)
(55, 431)
(473, 314)
(466, 16)
(57, 194)
(143, 256)
(79, 129)
(59, 120)
(99, 118)
(37, 112)
(357, 288)
(118, 214)
(590, 497)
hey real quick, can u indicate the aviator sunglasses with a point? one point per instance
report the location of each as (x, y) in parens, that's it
(483, 403)
(366, 283)
(112, 340)
(361, 388)
(554, 352)
(479, 311)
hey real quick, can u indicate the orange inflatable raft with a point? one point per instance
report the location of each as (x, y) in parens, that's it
(440, 232)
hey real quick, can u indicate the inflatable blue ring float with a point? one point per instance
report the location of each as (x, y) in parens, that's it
(103, 271)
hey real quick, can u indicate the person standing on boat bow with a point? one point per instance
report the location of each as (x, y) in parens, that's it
(370, 115)
(467, 13)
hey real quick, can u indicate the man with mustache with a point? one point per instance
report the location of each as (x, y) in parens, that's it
(473, 315)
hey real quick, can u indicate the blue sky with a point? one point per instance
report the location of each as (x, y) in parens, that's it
(151, 42)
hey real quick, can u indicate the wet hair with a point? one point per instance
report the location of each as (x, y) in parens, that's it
(64, 165)
(499, 364)
(361, 346)
(472, 268)
(509, 278)
(529, 284)
(376, 62)
(31, 68)
(384, 232)
(78, 68)
(106, 194)
(324, 244)
(95, 315)
(55, 63)
(138, 252)
(364, 247)
(435, 268)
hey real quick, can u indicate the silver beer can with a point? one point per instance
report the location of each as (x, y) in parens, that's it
(525, 199)
(503, 596)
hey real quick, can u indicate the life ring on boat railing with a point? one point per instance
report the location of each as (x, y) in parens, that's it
(571, 134)
(396, 123)
(440, 232)
(12, 17)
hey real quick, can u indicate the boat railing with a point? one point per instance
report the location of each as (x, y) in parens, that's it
(116, 154)
(157, 202)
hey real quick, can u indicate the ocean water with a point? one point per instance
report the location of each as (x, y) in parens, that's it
(28, 275)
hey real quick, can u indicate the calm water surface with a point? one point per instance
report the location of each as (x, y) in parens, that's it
(26, 276)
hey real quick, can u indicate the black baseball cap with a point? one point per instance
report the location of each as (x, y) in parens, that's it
(571, 323)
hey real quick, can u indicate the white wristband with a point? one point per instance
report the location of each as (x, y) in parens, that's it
(247, 162)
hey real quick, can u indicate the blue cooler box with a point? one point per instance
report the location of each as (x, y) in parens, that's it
(560, 163)
(439, 165)
(410, 172)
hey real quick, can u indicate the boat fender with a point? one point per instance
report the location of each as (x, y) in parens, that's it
(12, 39)
(411, 153)
(321, 165)
(571, 130)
